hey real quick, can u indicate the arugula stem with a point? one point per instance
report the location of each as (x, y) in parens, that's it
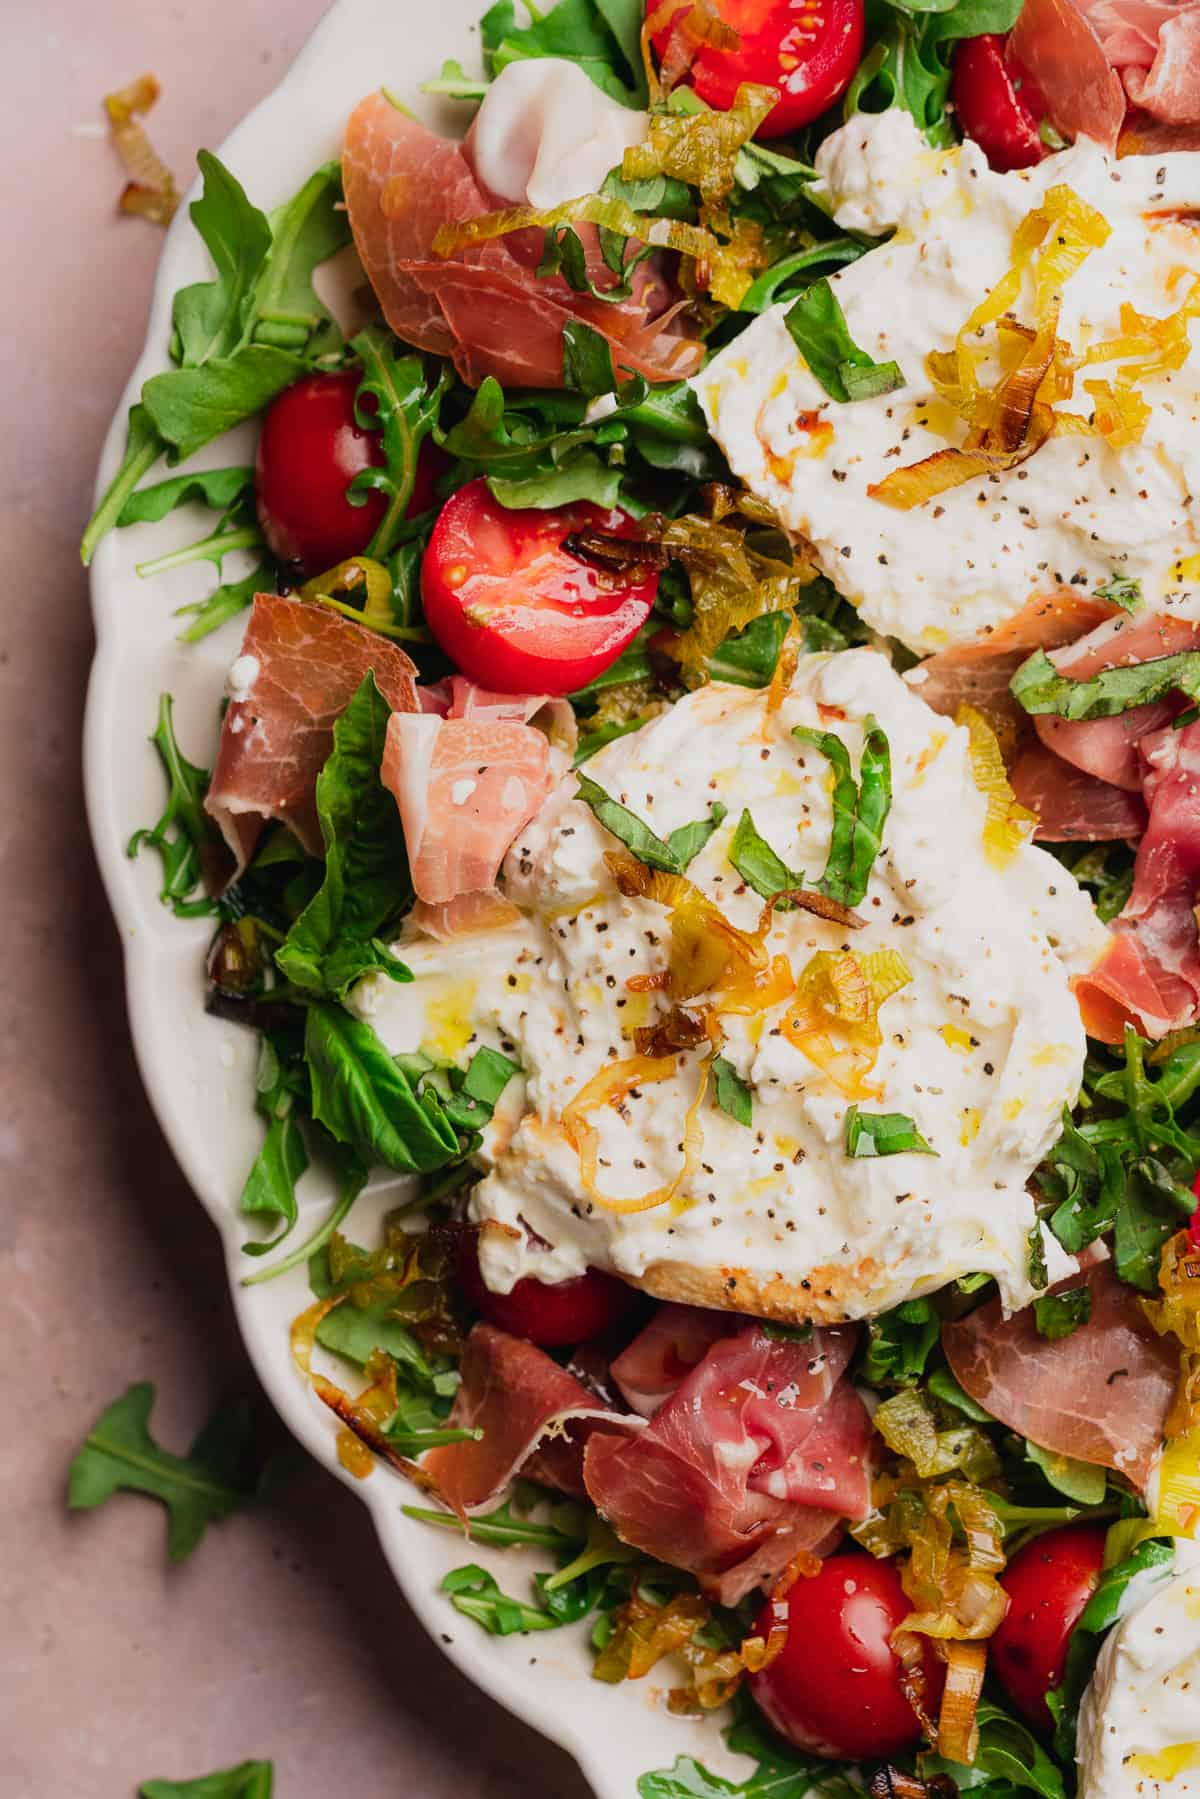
(143, 450)
(206, 549)
(320, 1237)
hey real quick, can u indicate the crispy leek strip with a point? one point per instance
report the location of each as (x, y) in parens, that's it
(707, 952)
(955, 1544)
(363, 1417)
(645, 1632)
(718, 1673)
(609, 1087)
(1012, 421)
(150, 190)
(1008, 825)
(958, 1731)
(700, 148)
(1177, 1313)
(835, 1018)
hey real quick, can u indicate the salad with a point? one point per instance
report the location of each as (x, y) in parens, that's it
(706, 788)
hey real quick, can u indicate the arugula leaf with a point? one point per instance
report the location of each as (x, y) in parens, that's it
(1035, 1243)
(943, 1386)
(198, 1489)
(220, 488)
(503, 1528)
(860, 809)
(909, 63)
(1123, 590)
(365, 1101)
(563, 254)
(477, 1594)
(731, 1092)
(1107, 868)
(455, 84)
(818, 329)
(1084, 1482)
(249, 1780)
(1007, 1751)
(269, 1192)
(1058, 1314)
(588, 364)
(883, 1134)
(900, 1343)
(225, 602)
(780, 1772)
(406, 409)
(601, 36)
(1153, 1207)
(340, 935)
(672, 856)
(240, 338)
(767, 289)
(1041, 690)
(184, 830)
(758, 865)
(351, 1175)
(1103, 1610)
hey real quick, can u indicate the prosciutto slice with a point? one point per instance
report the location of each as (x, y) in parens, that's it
(1055, 44)
(1156, 46)
(977, 674)
(761, 1435)
(465, 788)
(675, 1341)
(1150, 975)
(1100, 1395)
(485, 307)
(1072, 807)
(535, 1418)
(308, 663)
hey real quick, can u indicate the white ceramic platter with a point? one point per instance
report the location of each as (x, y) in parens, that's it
(199, 1071)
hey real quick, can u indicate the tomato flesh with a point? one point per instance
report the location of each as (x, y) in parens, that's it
(998, 110)
(554, 1315)
(808, 50)
(516, 611)
(835, 1688)
(1049, 1582)
(309, 451)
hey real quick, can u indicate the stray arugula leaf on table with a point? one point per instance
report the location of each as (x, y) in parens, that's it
(222, 1471)
(249, 1780)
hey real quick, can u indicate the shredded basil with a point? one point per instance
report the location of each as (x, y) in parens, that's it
(731, 1092)
(860, 809)
(671, 855)
(758, 865)
(1041, 690)
(818, 329)
(883, 1134)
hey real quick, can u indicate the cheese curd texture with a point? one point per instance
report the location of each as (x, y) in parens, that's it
(1077, 511)
(981, 1050)
(1139, 1724)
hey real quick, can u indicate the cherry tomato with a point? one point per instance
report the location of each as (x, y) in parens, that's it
(997, 108)
(310, 449)
(1193, 1229)
(555, 1314)
(515, 610)
(1049, 1582)
(835, 1689)
(808, 49)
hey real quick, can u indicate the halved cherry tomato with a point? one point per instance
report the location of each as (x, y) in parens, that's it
(513, 608)
(808, 49)
(310, 449)
(998, 108)
(555, 1315)
(835, 1689)
(1049, 1582)
(1193, 1229)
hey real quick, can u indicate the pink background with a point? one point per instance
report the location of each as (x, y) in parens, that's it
(284, 1636)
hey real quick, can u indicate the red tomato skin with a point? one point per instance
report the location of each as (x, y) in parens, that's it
(554, 1315)
(809, 52)
(512, 609)
(835, 1689)
(991, 109)
(1049, 1582)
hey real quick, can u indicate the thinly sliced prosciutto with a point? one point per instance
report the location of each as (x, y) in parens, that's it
(308, 662)
(758, 1436)
(1100, 1395)
(485, 307)
(1072, 807)
(1155, 44)
(535, 1418)
(1150, 975)
(465, 788)
(977, 674)
(1054, 43)
(675, 1341)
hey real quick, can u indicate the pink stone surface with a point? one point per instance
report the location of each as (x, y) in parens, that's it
(284, 1636)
